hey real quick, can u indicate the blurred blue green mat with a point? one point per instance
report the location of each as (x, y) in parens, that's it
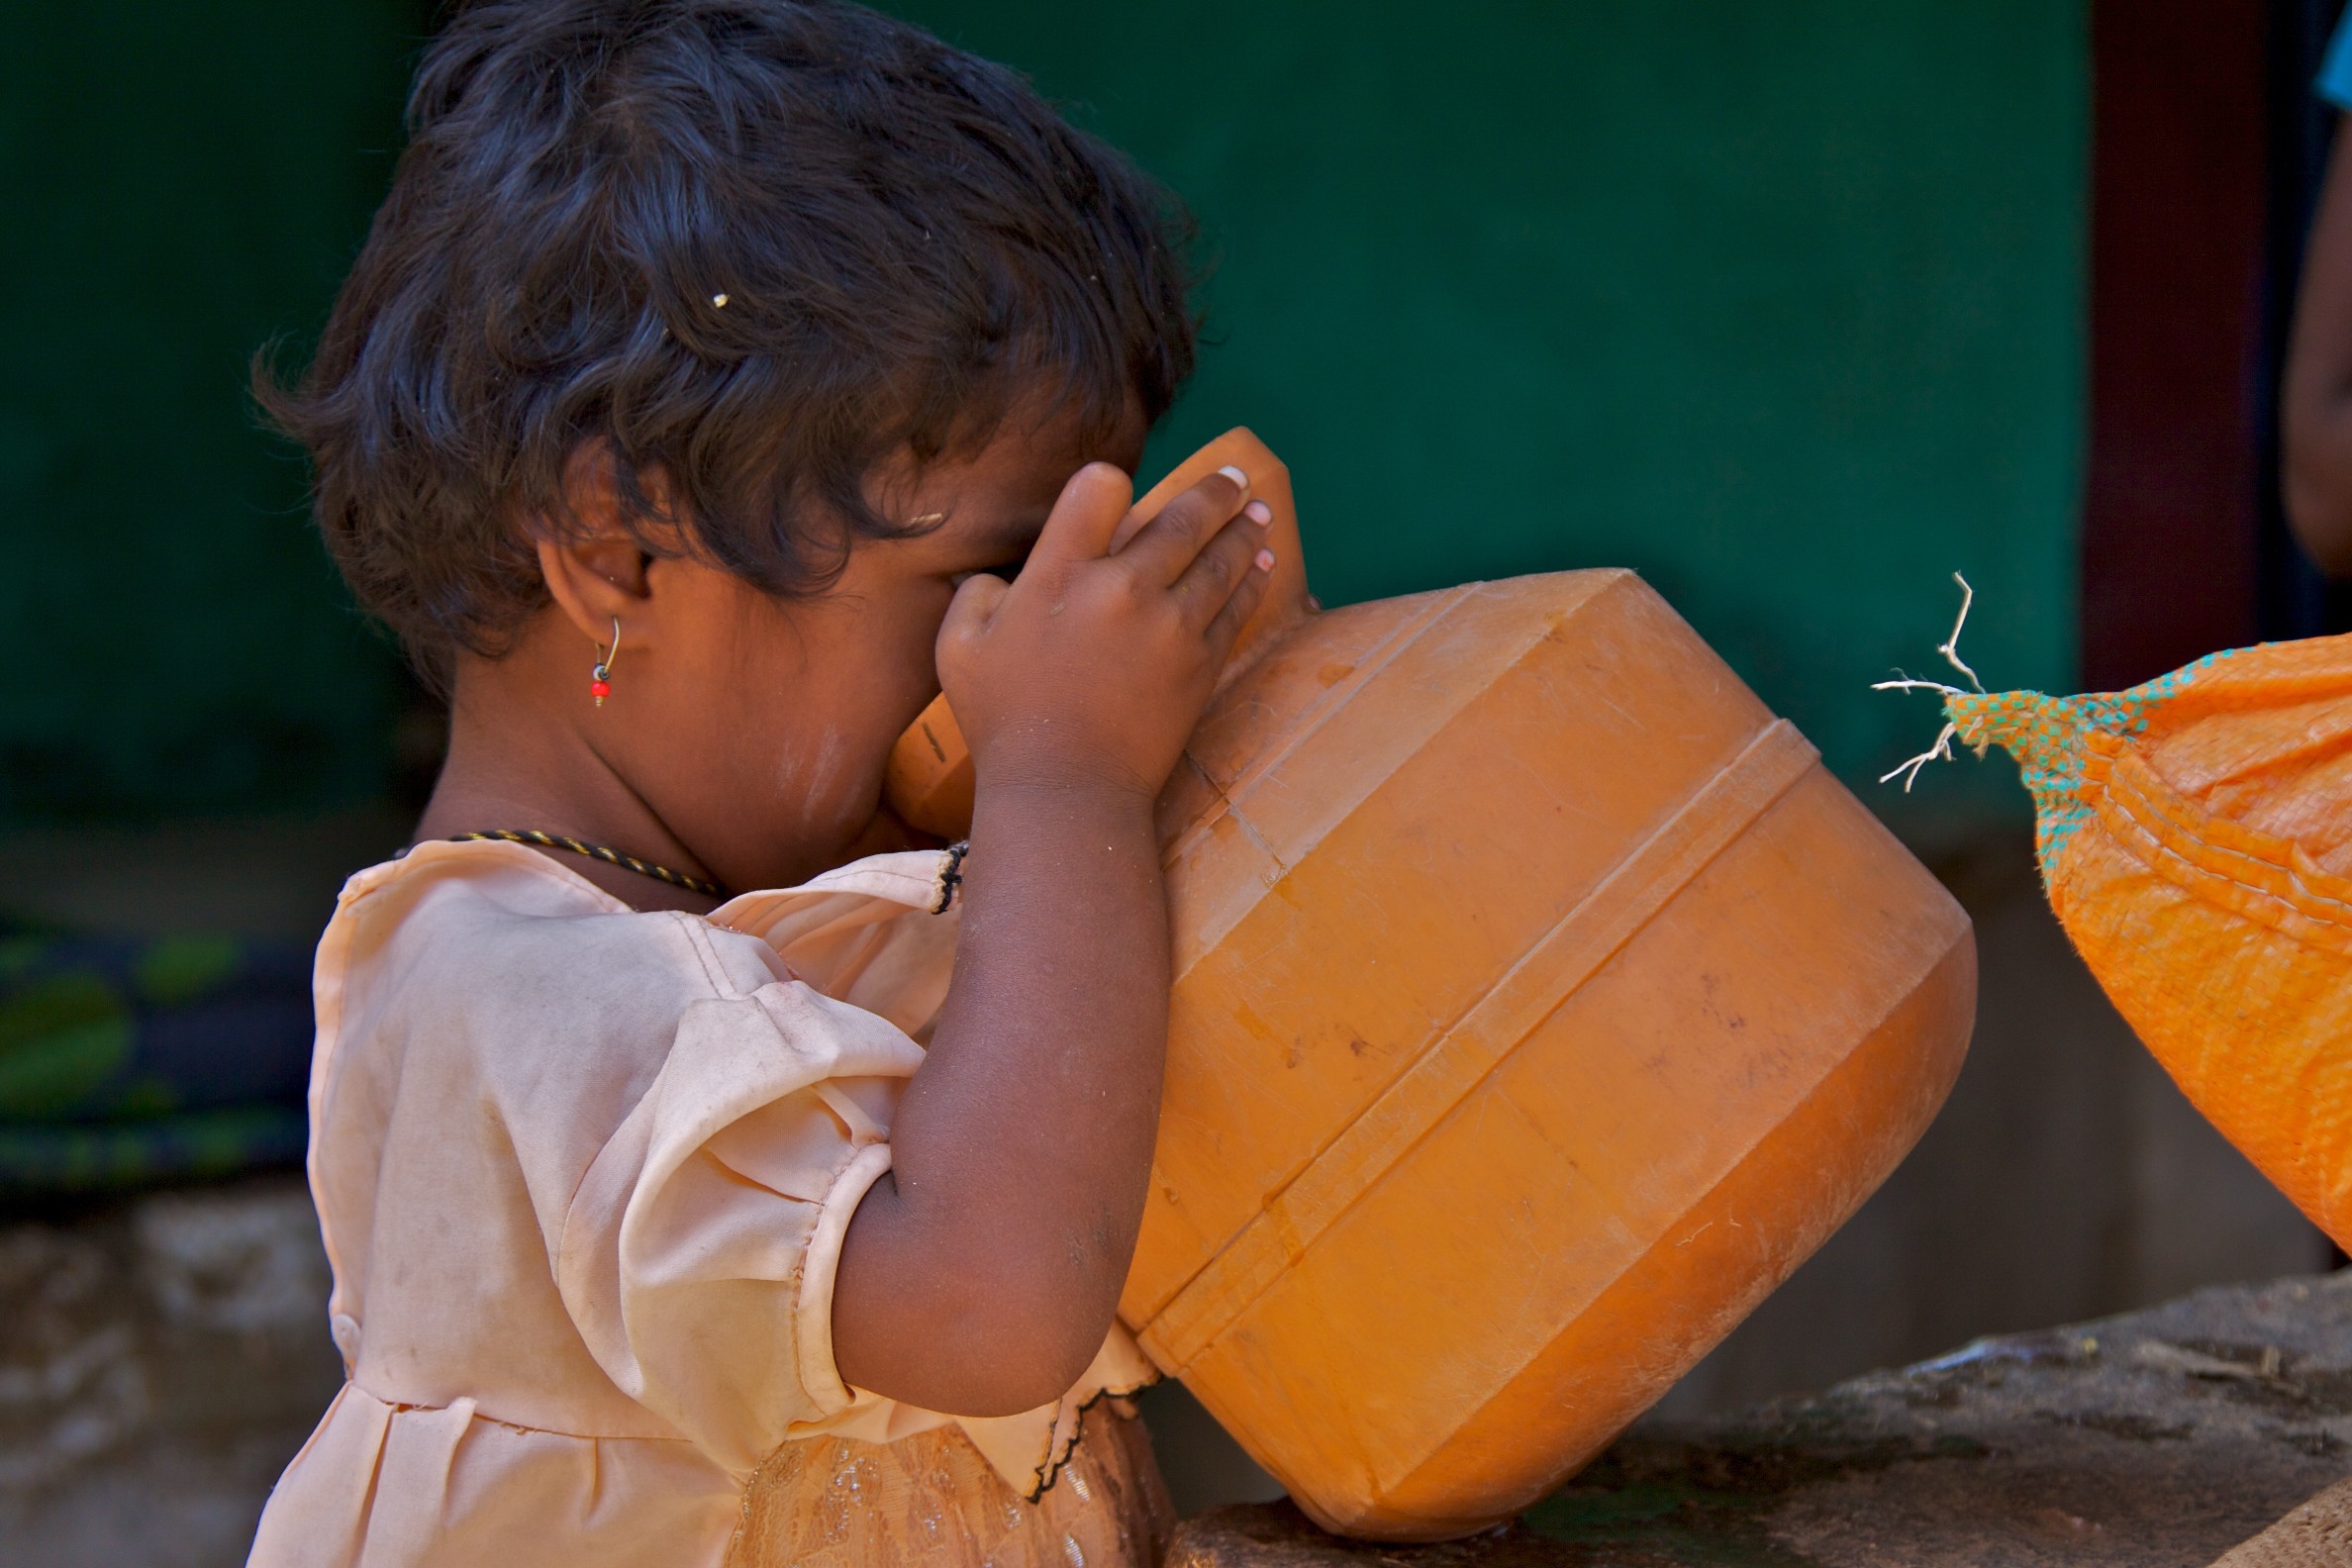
(126, 1061)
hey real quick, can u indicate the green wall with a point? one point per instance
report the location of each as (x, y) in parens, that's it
(1779, 304)
(183, 182)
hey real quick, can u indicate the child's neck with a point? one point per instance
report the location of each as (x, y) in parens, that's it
(516, 762)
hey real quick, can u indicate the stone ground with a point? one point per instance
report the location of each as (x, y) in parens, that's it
(160, 1361)
(2162, 1437)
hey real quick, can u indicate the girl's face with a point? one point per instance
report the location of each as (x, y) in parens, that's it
(756, 730)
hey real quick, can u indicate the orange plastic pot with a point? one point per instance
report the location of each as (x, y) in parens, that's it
(1540, 1003)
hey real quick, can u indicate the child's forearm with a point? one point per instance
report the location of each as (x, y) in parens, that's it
(981, 1275)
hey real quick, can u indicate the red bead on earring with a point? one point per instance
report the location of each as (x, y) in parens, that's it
(600, 678)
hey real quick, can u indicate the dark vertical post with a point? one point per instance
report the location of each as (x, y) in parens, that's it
(2177, 213)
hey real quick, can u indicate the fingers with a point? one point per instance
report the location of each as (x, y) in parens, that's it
(1224, 627)
(969, 612)
(1218, 570)
(1162, 549)
(1085, 517)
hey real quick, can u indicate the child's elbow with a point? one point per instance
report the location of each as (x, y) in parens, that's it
(982, 1341)
(1013, 1387)
(1032, 1350)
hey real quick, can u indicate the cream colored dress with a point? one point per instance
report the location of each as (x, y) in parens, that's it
(583, 1175)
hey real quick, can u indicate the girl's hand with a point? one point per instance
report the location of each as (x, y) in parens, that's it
(980, 1275)
(1093, 666)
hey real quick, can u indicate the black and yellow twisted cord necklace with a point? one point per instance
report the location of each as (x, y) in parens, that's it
(610, 856)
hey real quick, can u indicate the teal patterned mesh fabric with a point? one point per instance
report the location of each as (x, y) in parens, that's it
(2044, 735)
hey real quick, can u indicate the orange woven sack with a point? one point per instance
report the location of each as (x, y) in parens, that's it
(2196, 838)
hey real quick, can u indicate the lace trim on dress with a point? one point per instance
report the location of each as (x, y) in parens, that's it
(950, 876)
(1060, 1446)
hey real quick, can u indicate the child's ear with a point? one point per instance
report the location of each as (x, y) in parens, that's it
(596, 568)
(595, 582)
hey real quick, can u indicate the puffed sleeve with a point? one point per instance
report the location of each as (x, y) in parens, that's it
(698, 1254)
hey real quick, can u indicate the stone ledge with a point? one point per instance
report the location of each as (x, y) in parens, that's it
(2162, 1437)
(164, 1357)
(160, 1359)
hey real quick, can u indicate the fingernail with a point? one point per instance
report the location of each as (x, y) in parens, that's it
(1265, 561)
(1259, 513)
(1238, 476)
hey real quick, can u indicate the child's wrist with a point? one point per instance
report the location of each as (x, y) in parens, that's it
(1070, 790)
(1061, 773)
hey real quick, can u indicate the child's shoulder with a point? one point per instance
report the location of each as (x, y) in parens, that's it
(487, 975)
(501, 910)
(488, 927)
(498, 975)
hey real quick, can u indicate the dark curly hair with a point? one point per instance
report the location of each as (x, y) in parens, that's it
(755, 244)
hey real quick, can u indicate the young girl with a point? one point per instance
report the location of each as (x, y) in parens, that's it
(709, 370)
